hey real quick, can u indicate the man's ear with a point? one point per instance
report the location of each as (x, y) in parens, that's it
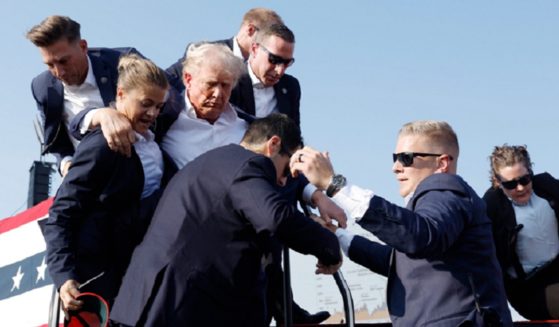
(119, 93)
(273, 145)
(83, 45)
(186, 79)
(251, 30)
(443, 163)
(253, 48)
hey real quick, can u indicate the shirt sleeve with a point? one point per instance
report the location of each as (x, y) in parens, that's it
(354, 200)
(86, 122)
(344, 237)
(308, 192)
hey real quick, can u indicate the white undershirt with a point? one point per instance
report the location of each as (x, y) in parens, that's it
(538, 240)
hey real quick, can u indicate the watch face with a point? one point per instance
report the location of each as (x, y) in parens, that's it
(338, 180)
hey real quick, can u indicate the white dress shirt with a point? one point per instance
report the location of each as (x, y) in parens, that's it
(355, 201)
(190, 136)
(152, 162)
(265, 101)
(79, 97)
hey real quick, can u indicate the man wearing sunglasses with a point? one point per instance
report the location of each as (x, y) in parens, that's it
(524, 209)
(266, 88)
(253, 20)
(438, 254)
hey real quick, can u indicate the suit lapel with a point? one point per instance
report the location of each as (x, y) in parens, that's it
(55, 108)
(247, 94)
(281, 93)
(105, 78)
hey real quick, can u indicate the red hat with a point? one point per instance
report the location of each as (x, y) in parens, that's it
(93, 313)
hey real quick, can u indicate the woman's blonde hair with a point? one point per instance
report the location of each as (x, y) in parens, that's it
(137, 72)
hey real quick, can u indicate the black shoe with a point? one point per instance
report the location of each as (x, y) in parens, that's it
(301, 316)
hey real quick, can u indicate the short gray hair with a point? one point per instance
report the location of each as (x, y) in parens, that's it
(213, 54)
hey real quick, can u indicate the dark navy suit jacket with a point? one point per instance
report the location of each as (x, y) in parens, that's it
(97, 217)
(287, 90)
(200, 263)
(440, 255)
(48, 92)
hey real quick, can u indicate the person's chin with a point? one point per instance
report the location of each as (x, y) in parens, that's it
(141, 128)
(269, 81)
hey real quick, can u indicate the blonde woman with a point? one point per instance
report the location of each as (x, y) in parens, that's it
(105, 203)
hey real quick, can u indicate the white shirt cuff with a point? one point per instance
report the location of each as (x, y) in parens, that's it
(354, 200)
(307, 194)
(345, 237)
(86, 122)
(64, 161)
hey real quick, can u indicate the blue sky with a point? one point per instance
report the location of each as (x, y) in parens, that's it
(490, 69)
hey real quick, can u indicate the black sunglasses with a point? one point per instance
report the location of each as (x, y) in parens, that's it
(406, 158)
(277, 60)
(511, 185)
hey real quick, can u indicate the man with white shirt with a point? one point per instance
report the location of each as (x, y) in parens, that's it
(438, 254)
(201, 119)
(253, 20)
(77, 78)
(266, 88)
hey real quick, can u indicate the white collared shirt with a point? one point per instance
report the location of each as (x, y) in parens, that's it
(265, 101)
(237, 49)
(189, 136)
(79, 97)
(76, 99)
(152, 162)
(537, 241)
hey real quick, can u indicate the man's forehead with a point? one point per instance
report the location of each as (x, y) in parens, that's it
(213, 73)
(414, 143)
(274, 41)
(59, 49)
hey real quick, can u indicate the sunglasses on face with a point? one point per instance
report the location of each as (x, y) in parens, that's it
(406, 158)
(277, 60)
(511, 185)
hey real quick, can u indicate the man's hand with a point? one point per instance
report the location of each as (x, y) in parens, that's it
(64, 168)
(328, 209)
(328, 270)
(116, 128)
(315, 165)
(331, 227)
(68, 294)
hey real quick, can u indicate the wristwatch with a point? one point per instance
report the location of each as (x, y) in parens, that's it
(338, 181)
